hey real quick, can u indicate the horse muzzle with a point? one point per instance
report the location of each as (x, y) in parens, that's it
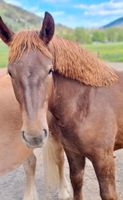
(34, 141)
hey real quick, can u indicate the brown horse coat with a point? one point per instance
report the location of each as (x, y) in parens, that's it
(84, 96)
(12, 151)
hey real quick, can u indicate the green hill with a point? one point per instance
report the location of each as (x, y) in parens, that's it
(18, 18)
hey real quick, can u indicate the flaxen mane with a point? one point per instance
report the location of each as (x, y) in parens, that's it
(69, 59)
(74, 62)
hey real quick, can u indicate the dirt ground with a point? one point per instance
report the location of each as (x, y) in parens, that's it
(12, 184)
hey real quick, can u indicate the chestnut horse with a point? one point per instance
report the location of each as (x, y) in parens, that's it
(11, 143)
(12, 151)
(84, 96)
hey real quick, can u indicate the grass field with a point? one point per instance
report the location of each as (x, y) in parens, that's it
(3, 54)
(112, 52)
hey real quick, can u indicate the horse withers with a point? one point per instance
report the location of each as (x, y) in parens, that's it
(84, 96)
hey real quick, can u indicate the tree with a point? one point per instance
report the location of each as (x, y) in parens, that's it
(98, 36)
(82, 35)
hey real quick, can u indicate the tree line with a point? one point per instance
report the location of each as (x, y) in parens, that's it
(88, 36)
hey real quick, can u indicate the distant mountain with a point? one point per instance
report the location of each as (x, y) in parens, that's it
(18, 18)
(116, 23)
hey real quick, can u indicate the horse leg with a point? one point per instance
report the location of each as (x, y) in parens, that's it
(105, 170)
(53, 157)
(77, 165)
(64, 187)
(29, 168)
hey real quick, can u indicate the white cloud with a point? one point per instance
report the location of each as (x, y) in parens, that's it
(58, 13)
(33, 9)
(14, 2)
(112, 7)
(40, 14)
(55, 14)
(81, 6)
(56, 1)
(116, 1)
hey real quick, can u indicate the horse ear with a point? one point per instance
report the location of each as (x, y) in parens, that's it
(5, 33)
(48, 28)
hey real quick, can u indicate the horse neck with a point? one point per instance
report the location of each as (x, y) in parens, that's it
(67, 94)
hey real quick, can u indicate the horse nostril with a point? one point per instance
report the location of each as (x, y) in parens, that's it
(45, 132)
(23, 133)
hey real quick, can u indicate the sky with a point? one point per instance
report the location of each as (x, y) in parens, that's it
(75, 13)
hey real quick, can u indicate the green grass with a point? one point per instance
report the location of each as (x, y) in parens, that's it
(3, 54)
(112, 52)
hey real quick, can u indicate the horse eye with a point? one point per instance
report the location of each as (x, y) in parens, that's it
(9, 73)
(50, 71)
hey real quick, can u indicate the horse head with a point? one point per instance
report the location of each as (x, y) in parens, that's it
(29, 67)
